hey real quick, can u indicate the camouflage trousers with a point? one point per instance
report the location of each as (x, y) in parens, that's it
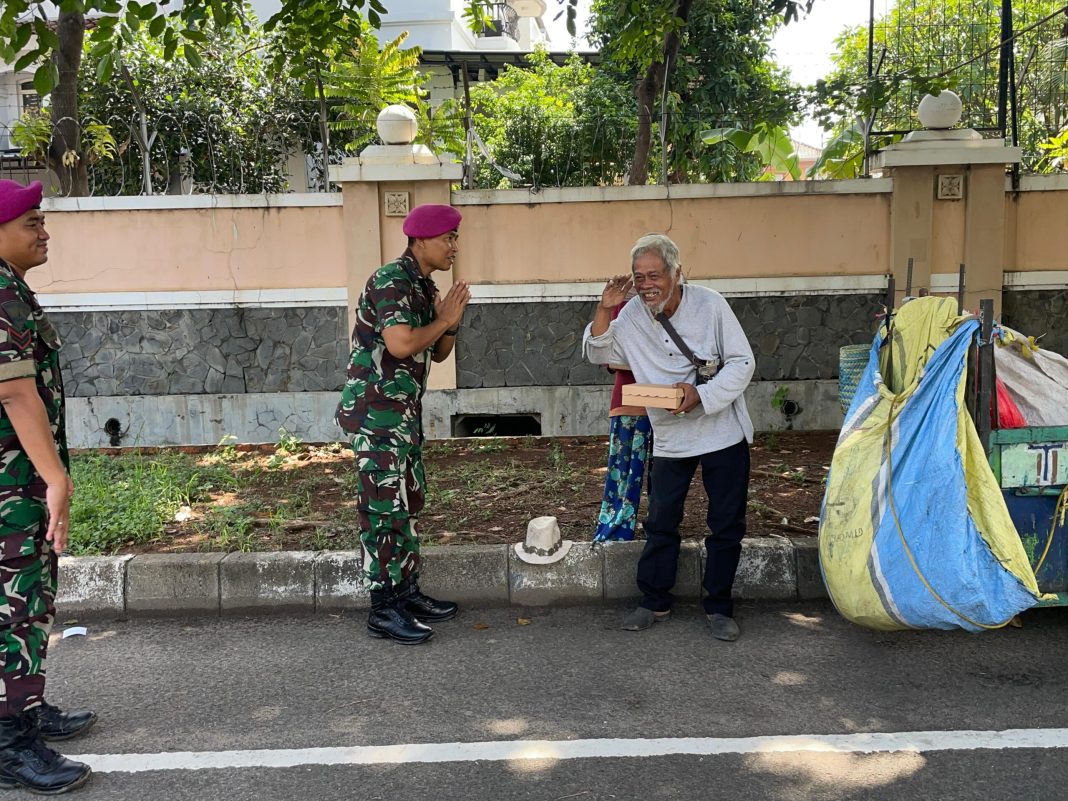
(28, 573)
(390, 496)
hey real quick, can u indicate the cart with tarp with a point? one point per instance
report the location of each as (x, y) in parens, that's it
(945, 500)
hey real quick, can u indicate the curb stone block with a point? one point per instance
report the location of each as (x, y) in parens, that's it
(621, 566)
(476, 573)
(691, 570)
(91, 585)
(338, 585)
(767, 570)
(577, 578)
(810, 584)
(173, 583)
(268, 582)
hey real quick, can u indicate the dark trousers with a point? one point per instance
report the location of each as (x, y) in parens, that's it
(725, 475)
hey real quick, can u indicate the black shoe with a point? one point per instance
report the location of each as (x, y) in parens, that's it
(390, 621)
(55, 724)
(425, 608)
(25, 761)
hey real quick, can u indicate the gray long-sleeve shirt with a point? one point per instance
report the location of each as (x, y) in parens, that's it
(707, 325)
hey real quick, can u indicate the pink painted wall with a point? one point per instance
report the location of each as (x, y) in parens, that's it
(148, 250)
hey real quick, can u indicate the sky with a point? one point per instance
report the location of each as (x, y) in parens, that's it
(804, 47)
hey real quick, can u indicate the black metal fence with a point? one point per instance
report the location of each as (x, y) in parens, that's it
(1007, 59)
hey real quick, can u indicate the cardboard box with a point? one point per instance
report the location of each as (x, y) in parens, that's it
(659, 396)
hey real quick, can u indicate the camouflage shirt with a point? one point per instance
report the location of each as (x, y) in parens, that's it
(29, 348)
(383, 395)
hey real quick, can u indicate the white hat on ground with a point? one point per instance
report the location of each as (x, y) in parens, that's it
(543, 544)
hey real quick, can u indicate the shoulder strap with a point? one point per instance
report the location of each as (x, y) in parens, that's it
(666, 322)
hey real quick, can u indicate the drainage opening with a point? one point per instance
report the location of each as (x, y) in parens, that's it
(113, 428)
(496, 425)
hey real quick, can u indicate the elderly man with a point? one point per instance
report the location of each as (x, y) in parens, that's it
(35, 505)
(687, 336)
(401, 326)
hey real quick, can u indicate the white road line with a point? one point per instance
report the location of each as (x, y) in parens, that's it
(512, 750)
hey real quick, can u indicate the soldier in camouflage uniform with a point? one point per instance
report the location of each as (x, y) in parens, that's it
(35, 491)
(402, 324)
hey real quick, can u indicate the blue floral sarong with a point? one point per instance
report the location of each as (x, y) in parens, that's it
(630, 441)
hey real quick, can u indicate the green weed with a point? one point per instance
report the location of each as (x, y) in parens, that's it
(128, 499)
(288, 444)
(230, 528)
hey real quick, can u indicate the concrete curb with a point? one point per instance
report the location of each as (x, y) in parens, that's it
(777, 568)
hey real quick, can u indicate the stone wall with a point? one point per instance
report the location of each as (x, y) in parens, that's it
(540, 344)
(1038, 312)
(195, 351)
(247, 350)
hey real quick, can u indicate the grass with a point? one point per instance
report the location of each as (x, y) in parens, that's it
(300, 496)
(127, 500)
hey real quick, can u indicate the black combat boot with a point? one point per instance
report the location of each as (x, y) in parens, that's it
(25, 760)
(55, 724)
(423, 607)
(389, 619)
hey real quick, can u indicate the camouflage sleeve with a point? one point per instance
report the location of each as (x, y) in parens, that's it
(16, 337)
(390, 295)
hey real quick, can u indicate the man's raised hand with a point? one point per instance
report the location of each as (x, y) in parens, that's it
(615, 291)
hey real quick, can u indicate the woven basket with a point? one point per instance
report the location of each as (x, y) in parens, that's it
(852, 362)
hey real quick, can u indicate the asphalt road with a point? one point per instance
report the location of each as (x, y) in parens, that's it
(280, 686)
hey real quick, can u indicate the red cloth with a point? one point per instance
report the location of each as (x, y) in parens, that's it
(623, 377)
(1009, 414)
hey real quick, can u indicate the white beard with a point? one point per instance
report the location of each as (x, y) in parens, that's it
(659, 307)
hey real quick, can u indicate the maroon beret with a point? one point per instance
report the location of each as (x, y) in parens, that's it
(16, 199)
(424, 222)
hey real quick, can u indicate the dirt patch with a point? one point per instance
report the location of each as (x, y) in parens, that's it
(482, 490)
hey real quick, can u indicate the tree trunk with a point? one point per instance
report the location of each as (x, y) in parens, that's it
(648, 92)
(65, 155)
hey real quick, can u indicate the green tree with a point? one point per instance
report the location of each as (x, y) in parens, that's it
(553, 125)
(707, 57)
(925, 45)
(227, 125)
(27, 38)
(365, 77)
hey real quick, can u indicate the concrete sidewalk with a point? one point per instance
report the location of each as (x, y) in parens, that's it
(776, 568)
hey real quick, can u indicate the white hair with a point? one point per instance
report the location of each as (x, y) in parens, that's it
(662, 246)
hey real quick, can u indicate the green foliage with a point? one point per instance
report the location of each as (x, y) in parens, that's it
(128, 499)
(365, 77)
(553, 125)
(771, 143)
(723, 77)
(925, 46)
(779, 397)
(230, 528)
(235, 123)
(1055, 151)
(227, 449)
(440, 128)
(557, 458)
(32, 134)
(181, 31)
(288, 444)
(304, 33)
